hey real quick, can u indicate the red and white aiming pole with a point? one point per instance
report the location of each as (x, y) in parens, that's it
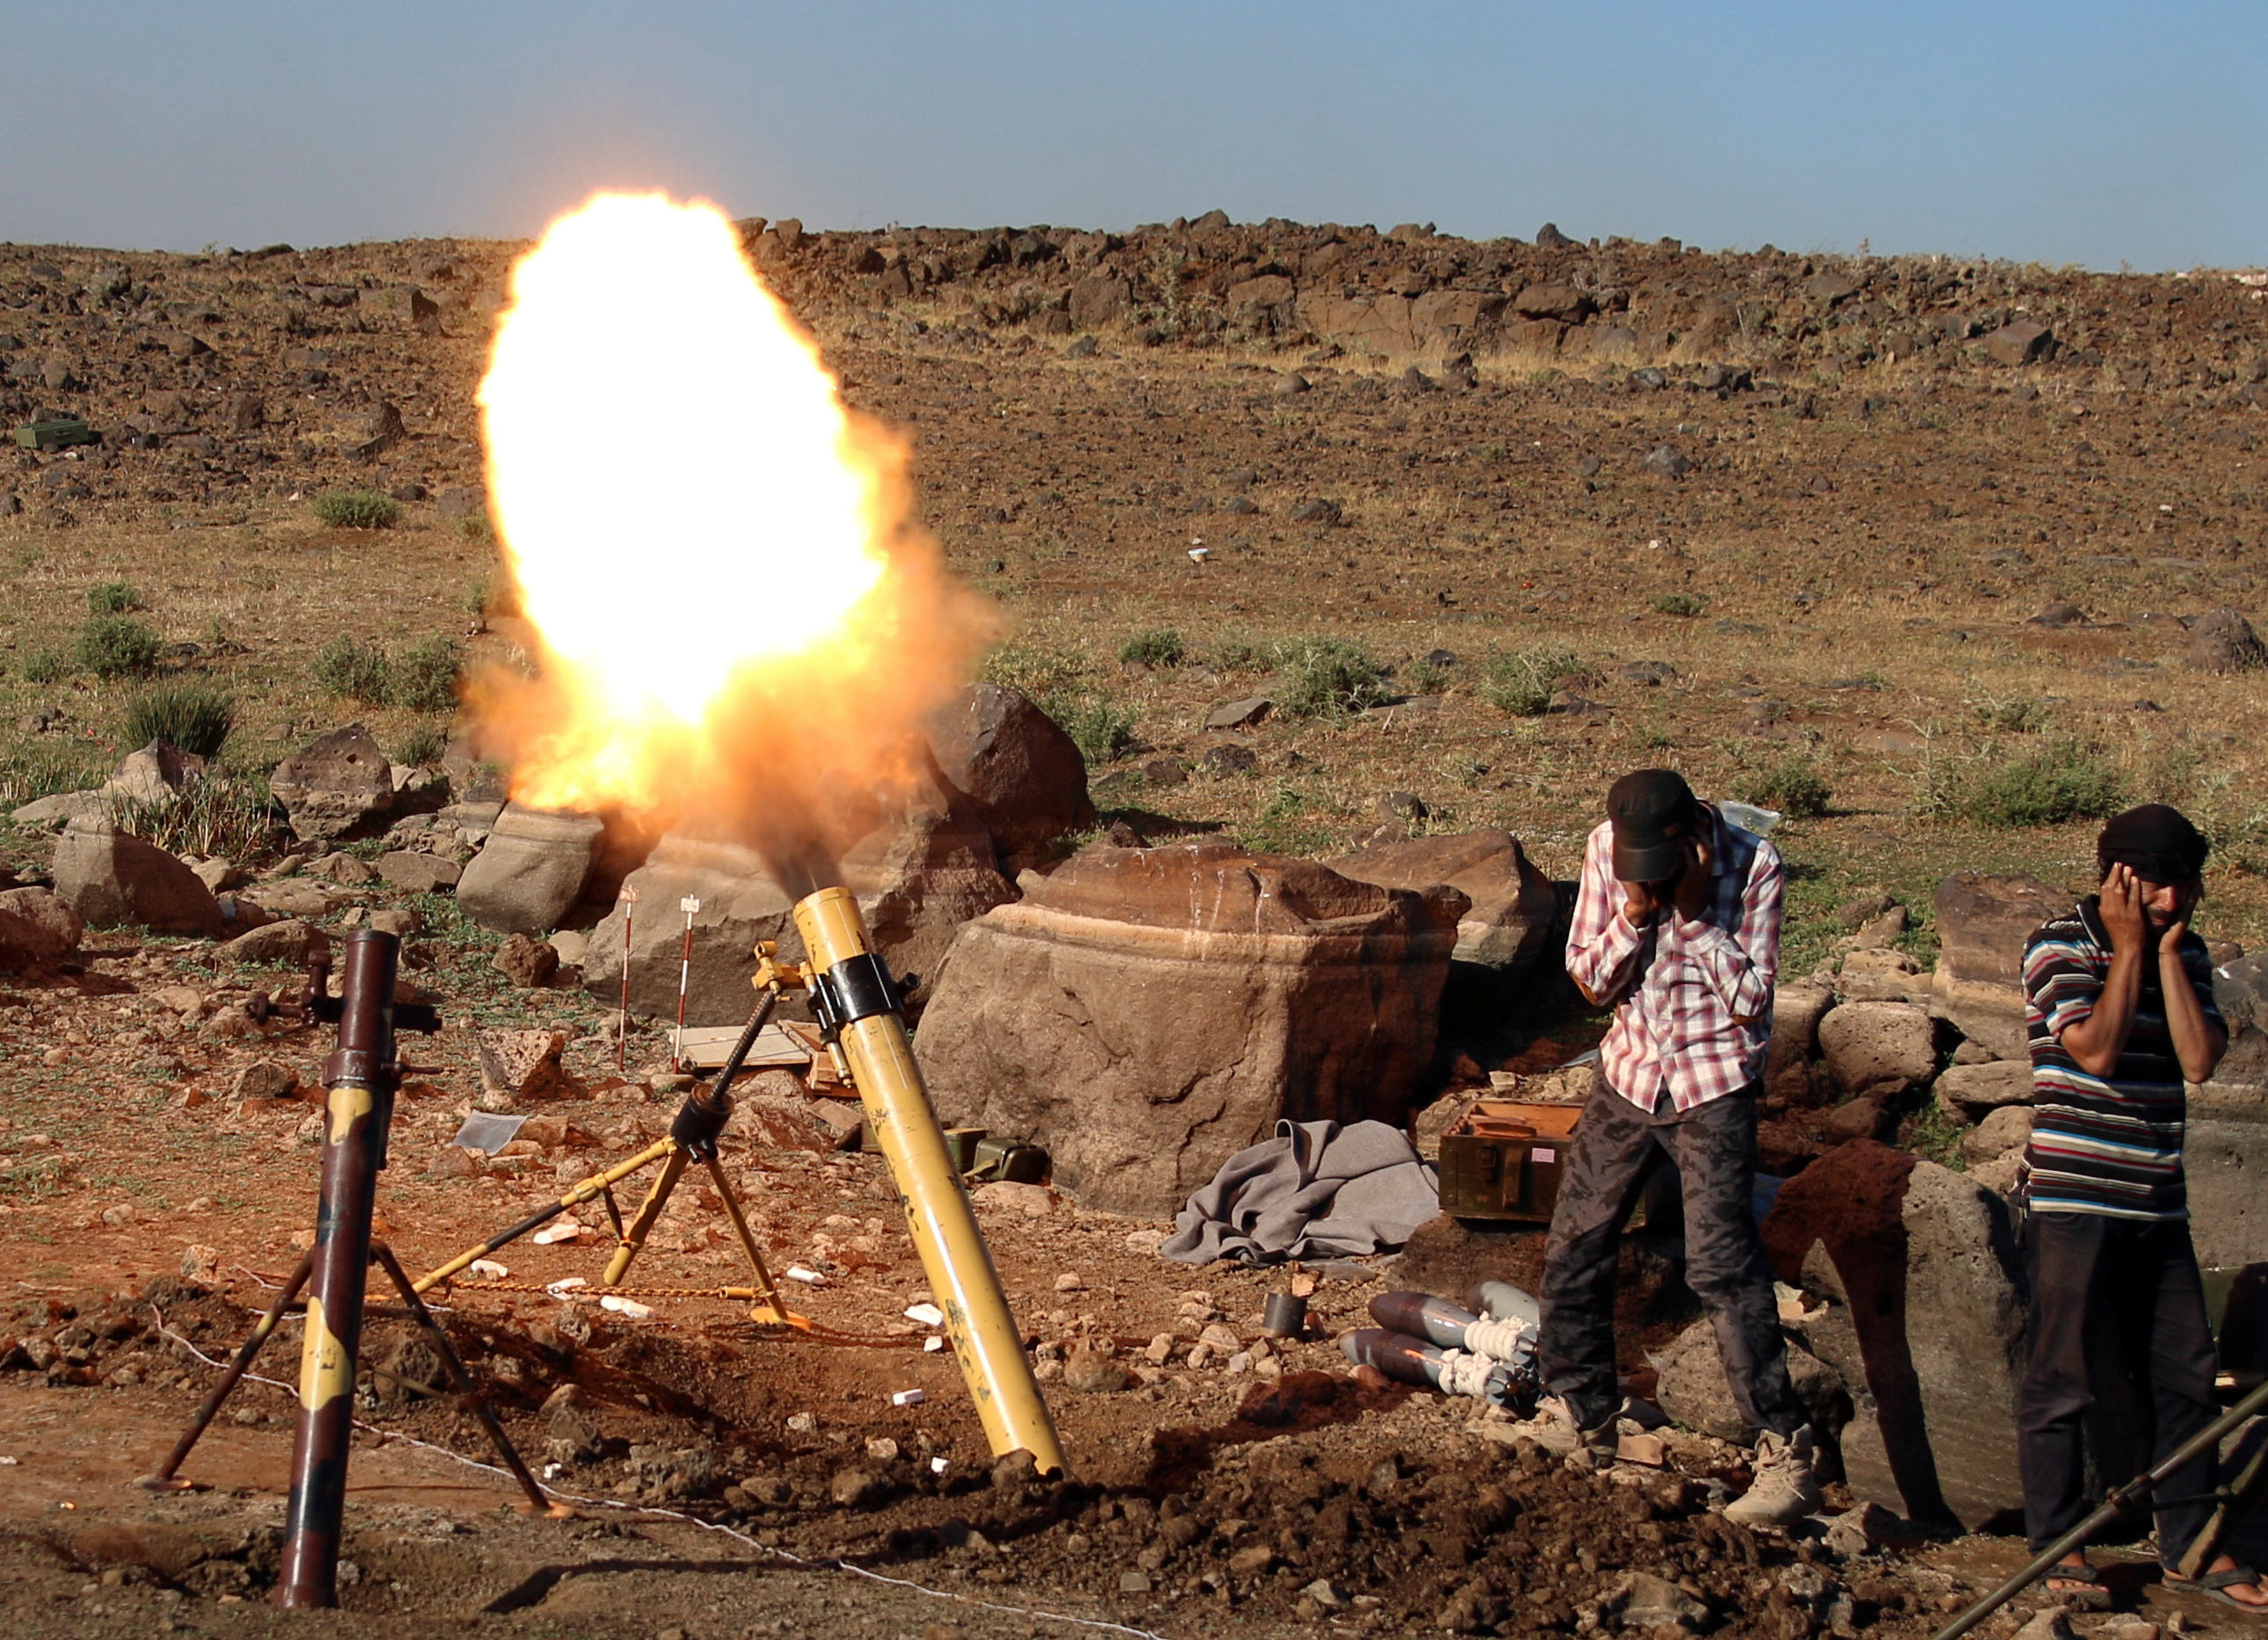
(622, 1017)
(688, 905)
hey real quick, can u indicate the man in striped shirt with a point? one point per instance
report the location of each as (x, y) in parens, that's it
(1676, 925)
(2119, 1014)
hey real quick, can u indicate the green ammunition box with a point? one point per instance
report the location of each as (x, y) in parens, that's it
(54, 435)
(1503, 1159)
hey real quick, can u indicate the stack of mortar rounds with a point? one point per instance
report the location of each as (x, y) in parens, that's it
(1435, 1344)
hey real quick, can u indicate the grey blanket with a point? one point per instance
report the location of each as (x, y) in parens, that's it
(1315, 1190)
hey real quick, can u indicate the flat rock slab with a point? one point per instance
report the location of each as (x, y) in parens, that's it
(419, 873)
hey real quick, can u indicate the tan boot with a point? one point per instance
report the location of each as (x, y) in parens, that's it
(1785, 1490)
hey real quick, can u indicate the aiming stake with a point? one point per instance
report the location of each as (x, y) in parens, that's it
(688, 905)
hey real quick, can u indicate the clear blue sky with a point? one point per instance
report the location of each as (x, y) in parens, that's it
(2080, 131)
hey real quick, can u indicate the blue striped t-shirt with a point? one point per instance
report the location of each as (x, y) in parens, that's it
(2104, 1145)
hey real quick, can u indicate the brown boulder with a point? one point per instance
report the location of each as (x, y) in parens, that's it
(36, 926)
(334, 785)
(522, 1065)
(1507, 923)
(1982, 924)
(1146, 1013)
(530, 871)
(531, 964)
(1561, 302)
(1923, 1319)
(1024, 773)
(290, 942)
(110, 879)
(157, 775)
(2221, 640)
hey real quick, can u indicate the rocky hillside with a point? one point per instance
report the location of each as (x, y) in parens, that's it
(222, 377)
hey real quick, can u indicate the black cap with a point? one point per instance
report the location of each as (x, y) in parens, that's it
(2158, 843)
(1653, 811)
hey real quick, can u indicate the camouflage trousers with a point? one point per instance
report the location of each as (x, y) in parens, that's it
(1713, 1147)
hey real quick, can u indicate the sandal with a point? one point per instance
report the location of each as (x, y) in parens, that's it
(2082, 1590)
(2215, 1586)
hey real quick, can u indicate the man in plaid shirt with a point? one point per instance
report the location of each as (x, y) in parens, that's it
(1676, 925)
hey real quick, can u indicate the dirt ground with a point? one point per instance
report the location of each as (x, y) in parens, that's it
(1842, 579)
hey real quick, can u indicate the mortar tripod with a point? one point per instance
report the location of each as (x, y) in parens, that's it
(693, 1135)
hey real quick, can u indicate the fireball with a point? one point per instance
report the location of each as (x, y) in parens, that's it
(733, 610)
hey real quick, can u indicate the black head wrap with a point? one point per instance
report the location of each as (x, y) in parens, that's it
(2155, 842)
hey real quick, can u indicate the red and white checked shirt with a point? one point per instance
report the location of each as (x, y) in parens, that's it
(1681, 988)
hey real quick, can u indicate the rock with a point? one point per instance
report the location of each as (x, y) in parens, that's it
(2051, 1622)
(334, 786)
(1511, 906)
(36, 926)
(1561, 302)
(419, 873)
(1025, 776)
(1664, 461)
(2003, 1130)
(1857, 1530)
(295, 899)
(527, 963)
(1875, 975)
(1315, 510)
(2061, 613)
(572, 944)
(1923, 1319)
(1797, 1009)
(400, 921)
(289, 942)
(530, 871)
(155, 775)
(1878, 1047)
(1644, 1600)
(1094, 1372)
(264, 1078)
(859, 1489)
(47, 814)
(1864, 1117)
(2221, 640)
(1240, 714)
(2020, 342)
(1982, 924)
(1979, 1088)
(348, 871)
(1146, 1013)
(1228, 759)
(1691, 1387)
(109, 878)
(220, 876)
(522, 1065)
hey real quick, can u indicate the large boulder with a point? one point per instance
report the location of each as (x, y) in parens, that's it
(1146, 1013)
(1507, 924)
(36, 926)
(1878, 1048)
(1024, 773)
(1982, 924)
(155, 775)
(2224, 1144)
(917, 878)
(1977, 1089)
(1798, 1007)
(110, 879)
(1917, 1269)
(1690, 1386)
(334, 786)
(530, 871)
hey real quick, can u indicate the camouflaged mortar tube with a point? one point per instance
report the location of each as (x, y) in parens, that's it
(360, 1074)
(857, 1003)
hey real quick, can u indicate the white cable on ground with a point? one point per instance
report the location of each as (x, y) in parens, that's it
(692, 1520)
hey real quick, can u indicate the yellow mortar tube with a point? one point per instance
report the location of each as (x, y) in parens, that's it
(952, 1252)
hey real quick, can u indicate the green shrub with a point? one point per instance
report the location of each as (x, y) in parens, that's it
(423, 744)
(2011, 715)
(1236, 654)
(349, 670)
(1035, 672)
(1160, 649)
(1100, 727)
(113, 597)
(191, 715)
(424, 680)
(1792, 786)
(46, 665)
(357, 509)
(115, 646)
(1423, 677)
(233, 819)
(2062, 782)
(1680, 604)
(1325, 677)
(1521, 682)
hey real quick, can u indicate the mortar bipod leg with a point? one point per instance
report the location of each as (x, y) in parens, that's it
(467, 1392)
(598, 1184)
(163, 1480)
(649, 1211)
(779, 1315)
